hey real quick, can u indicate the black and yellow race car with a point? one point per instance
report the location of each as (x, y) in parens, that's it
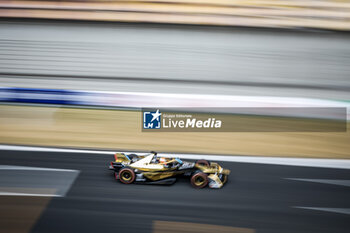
(152, 169)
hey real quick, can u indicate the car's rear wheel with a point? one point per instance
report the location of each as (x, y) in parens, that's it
(127, 175)
(203, 162)
(199, 180)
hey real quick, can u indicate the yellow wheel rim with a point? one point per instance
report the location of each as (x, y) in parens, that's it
(126, 176)
(199, 181)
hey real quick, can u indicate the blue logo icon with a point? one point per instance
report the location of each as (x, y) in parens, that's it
(151, 120)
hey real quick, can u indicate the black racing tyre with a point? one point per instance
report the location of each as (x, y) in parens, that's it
(199, 180)
(203, 162)
(127, 176)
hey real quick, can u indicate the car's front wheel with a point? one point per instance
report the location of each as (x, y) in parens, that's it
(127, 175)
(199, 180)
(223, 178)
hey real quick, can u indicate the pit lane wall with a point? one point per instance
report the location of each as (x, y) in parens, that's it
(137, 100)
(325, 14)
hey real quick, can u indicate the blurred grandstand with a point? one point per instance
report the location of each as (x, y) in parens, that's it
(135, 64)
(317, 14)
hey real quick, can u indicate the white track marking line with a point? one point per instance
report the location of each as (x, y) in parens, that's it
(28, 194)
(304, 162)
(10, 167)
(325, 181)
(48, 149)
(334, 210)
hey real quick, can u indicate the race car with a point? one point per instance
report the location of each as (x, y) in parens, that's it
(152, 169)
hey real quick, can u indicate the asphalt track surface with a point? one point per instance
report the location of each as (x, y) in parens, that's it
(174, 59)
(257, 196)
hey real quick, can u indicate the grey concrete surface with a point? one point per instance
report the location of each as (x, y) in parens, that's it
(257, 196)
(176, 59)
(28, 180)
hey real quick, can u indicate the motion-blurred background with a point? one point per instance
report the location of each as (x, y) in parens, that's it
(76, 73)
(256, 53)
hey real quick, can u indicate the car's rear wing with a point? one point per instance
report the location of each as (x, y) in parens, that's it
(119, 160)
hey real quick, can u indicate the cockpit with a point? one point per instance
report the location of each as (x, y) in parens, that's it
(154, 162)
(167, 162)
